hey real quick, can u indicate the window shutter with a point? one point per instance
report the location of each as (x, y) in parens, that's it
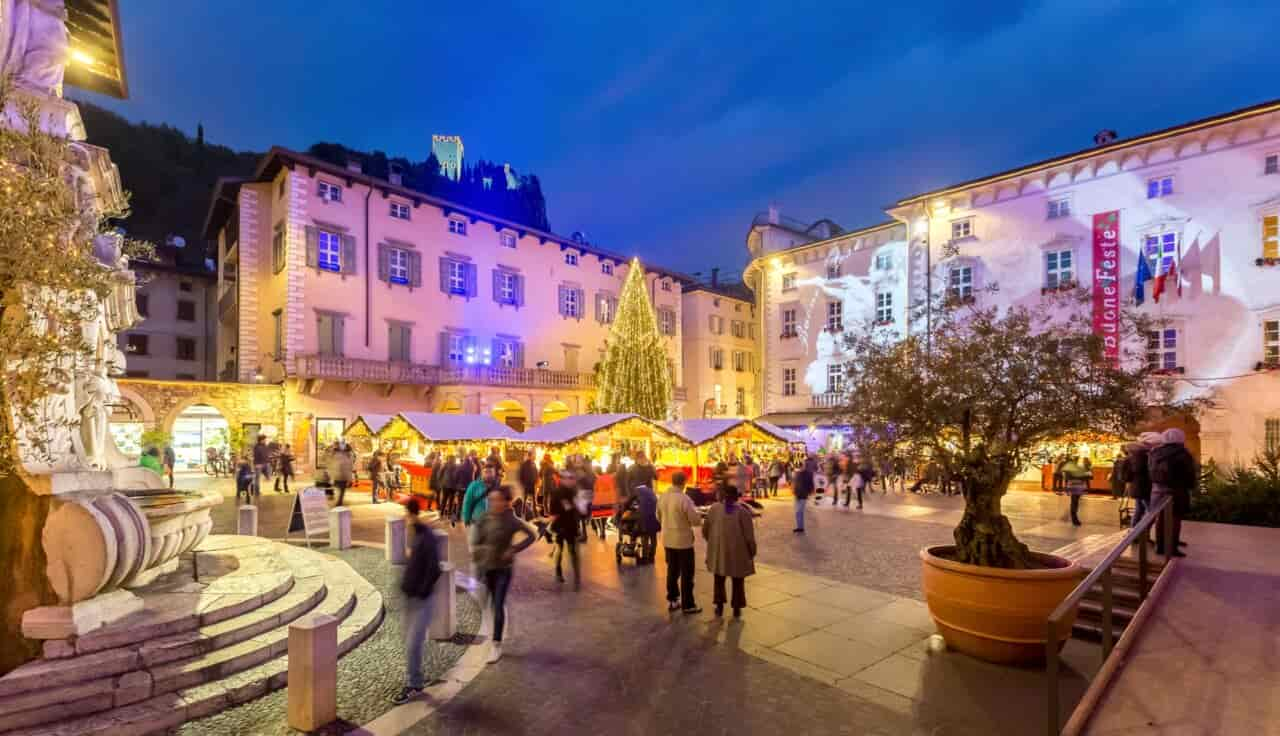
(561, 300)
(599, 307)
(384, 262)
(712, 326)
(519, 355)
(582, 305)
(711, 353)
(324, 334)
(495, 355)
(393, 342)
(444, 275)
(415, 269)
(348, 254)
(470, 271)
(338, 336)
(313, 248)
(444, 348)
(497, 286)
(519, 291)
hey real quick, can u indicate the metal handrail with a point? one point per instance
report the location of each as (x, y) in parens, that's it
(1102, 574)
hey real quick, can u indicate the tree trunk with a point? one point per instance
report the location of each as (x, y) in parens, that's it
(985, 536)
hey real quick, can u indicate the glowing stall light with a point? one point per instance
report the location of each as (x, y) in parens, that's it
(922, 226)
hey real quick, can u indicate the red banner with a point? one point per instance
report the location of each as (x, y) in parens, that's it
(1106, 282)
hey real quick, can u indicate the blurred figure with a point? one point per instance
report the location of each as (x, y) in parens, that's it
(170, 460)
(802, 488)
(286, 468)
(342, 464)
(647, 511)
(731, 549)
(494, 553)
(375, 474)
(417, 584)
(565, 524)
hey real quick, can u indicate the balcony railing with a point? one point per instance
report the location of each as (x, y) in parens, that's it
(829, 400)
(535, 377)
(341, 368)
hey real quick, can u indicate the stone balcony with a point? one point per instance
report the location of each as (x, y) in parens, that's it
(828, 401)
(314, 370)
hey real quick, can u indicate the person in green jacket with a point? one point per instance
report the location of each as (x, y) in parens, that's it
(151, 461)
(475, 503)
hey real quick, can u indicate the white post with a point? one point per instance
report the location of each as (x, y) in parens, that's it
(393, 532)
(313, 672)
(442, 545)
(444, 619)
(340, 527)
(247, 520)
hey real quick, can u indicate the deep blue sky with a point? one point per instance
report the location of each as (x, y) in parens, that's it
(661, 131)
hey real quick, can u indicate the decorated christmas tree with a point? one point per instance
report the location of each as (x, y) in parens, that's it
(634, 377)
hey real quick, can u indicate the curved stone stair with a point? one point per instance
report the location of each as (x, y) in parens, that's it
(208, 639)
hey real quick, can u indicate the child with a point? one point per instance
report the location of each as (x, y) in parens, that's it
(244, 480)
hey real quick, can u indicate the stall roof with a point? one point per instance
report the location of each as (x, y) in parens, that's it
(788, 435)
(373, 423)
(456, 427)
(581, 425)
(700, 431)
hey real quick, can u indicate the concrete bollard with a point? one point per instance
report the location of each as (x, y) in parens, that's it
(442, 545)
(340, 527)
(313, 672)
(393, 538)
(247, 520)
(444, 617)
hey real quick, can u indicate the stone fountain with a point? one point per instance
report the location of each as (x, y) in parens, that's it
(111, 525)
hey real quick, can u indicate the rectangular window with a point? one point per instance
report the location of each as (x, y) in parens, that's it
(277, 334)
(884, 261)
(1059, 208)
(456, 277)
(398, 265)
(1059, 270)
(1271, 236)
(329, 251)
(570, 259)
(833, 270)
(740, 402)
(141, 301)
(1160, 186)
(606, 268)
(739, 329)
(835, 378)
(186, 310)
(717, 358)
(962, 228)
(667, 321)
(788, 381)
(508, 353)
(835, 317)
(508, 286)
(960, 283)
(788, 282)
(457, 226)
(507, 239)
(788, 323)
(399, 211)
(186, 348)
(739, 361)
(457, 348)
(1161, 250)
(884, 307)
(277, 251)
(398, 340)
(1162, 349)
(1271, 164)
(329, 192)
(1271, 341)
(666, 285)
(570, 302)
(606, 308)
(1273, 435)
(329, 333)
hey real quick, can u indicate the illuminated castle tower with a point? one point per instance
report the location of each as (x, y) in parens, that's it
(448, 151)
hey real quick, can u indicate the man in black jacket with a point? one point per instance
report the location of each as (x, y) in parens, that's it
(418, 582)
(802, 487)
(1174, 475)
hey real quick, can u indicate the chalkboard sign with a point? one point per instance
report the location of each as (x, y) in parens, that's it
(310, 514)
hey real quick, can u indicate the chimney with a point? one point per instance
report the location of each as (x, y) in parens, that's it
(1104, 136)
(715, 277)
(353, 164)
(773, 214)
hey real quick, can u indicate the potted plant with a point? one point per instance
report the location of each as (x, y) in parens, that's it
(974, 396)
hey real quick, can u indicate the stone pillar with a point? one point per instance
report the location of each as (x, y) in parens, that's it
(340, 527)
(444, 618)
(247, 520)
(393, 532)
(313, 672)
(442, 545)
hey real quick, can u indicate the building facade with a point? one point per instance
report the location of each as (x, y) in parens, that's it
(1199, 202)
(363, 296)
(720, 337)
(176, 303)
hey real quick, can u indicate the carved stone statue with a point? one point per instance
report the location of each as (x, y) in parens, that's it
(33, 41)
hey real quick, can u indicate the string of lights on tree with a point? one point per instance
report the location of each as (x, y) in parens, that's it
(634, 377)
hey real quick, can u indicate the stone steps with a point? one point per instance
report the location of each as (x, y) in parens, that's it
(151, 685)
(1125, 600)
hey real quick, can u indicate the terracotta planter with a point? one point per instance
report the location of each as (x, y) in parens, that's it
(995, 614)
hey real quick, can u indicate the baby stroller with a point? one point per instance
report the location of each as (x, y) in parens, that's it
(629, 533)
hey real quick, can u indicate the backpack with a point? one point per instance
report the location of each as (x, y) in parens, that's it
(1161, 472)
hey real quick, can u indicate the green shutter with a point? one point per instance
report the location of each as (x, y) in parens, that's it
(444, 275)
(415, 269)
(497, 286)
(348, 254)
(338, 336)
(582, 303)
(313, 248)
(519, 291)
(444, 348)
(384, 262)
(470, 271)
(324, 334)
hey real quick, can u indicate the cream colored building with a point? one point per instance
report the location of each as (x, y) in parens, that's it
(173, 338)
(364, 296)
(720, 345)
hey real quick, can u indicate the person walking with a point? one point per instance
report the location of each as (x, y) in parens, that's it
(841, 481)
(342, 464)
(375, 475)
(865, 473)
(286, 468)
(261, 463)
(647, 512)
(527, 475)
(775, 475)
(170, 460)
(547, 482)
(475, 504)
(1076, 479)
(565, 524)
(1174, 475)
(731, 549)
(1116, 478)
(802, 488)
(677, 516)
(585, 479)
(494, 554)
(244, 479)
(435, 481)
(417, 583)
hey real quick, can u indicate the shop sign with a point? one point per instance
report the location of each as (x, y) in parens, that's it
(1106, 282)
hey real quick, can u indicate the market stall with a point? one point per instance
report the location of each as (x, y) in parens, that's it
(411, 437)
(710, 441)
(1100, 450)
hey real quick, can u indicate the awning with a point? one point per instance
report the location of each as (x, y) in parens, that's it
(451, 427)
(368, 425)
(701, 431)
(579, 426)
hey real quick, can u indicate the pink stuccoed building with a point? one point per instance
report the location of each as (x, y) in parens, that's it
(361, 295)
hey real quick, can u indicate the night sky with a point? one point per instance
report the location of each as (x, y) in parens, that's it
(662, 131)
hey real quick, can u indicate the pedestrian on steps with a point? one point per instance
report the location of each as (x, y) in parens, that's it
(417, 584)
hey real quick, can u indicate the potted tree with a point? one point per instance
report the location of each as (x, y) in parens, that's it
(973, 396)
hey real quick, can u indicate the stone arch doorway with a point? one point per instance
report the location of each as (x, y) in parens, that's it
(554, 411)
(131, 416)
(511, 413)
(197, 429)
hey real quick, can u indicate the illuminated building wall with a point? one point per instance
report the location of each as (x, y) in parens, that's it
(721, 360)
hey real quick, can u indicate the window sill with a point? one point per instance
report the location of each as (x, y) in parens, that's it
(1169, 371)
(964, 239)
(1264, 262)
(882, 323)
(1068, 286)
(956, 301)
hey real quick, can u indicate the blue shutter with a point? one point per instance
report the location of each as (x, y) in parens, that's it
(469, 270)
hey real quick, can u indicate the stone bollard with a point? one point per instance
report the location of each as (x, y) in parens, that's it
(393, 537)
(442, 545)
(313, 672)
(247, 520)
(444, 617)
(340, 527)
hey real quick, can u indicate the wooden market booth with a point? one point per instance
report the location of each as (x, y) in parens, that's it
(711, 440)
(1100, 448)
(364, 434)
(413, 435)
